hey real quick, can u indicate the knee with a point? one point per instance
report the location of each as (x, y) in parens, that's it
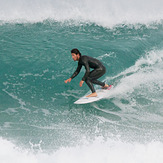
(88, 79)
(102, 70)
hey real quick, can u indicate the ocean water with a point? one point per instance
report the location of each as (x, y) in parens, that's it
(39, 121)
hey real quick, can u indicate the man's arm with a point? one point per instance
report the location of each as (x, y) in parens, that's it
(86, 65)
(77, 71)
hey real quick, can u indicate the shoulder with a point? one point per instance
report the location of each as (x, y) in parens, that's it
(84, 57)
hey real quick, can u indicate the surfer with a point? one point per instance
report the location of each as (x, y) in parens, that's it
(90, 77)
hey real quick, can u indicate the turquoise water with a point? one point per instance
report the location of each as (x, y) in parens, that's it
(38, 118)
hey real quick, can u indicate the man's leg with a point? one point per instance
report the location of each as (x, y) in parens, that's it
(90, 85)
(95, 74)
(92, 79)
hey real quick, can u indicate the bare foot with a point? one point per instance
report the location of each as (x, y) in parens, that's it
(105, 86)
(92, 95)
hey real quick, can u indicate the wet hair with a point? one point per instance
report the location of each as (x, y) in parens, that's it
(76, 51)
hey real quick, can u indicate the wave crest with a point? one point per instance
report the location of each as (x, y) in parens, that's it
(104, 12)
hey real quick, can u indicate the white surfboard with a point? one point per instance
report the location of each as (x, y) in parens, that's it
(101, 93)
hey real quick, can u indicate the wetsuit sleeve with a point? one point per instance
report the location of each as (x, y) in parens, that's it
(86, 65)
(77, 71)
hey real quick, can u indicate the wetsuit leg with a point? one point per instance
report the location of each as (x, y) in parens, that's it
(92, 78)
(90, 85)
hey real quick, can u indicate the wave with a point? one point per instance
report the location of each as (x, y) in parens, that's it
(104, 12)
(37, 103)
(140, 87)
(98, 151)
(147, 70)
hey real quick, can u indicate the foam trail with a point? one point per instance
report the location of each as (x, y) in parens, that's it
(147, 71)
(104, 12)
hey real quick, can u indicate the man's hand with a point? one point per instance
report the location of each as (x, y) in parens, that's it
(81, 83)
(68, 80)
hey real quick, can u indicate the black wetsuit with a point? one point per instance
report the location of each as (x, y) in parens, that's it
(90, 76)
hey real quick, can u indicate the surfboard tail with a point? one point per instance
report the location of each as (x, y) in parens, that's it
(110, 86)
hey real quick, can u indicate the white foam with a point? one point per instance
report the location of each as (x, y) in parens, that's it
(20, 101)
(10, 153)
(147, 71)
(102, 12)
(99, 151)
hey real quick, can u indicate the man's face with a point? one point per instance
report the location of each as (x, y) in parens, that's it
(74, 56)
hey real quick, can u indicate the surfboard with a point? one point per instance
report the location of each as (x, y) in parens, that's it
(101, 93)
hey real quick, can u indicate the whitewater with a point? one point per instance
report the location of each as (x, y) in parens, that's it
(39, 121)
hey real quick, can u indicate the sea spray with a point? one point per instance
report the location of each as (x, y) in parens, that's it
(103, 12)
